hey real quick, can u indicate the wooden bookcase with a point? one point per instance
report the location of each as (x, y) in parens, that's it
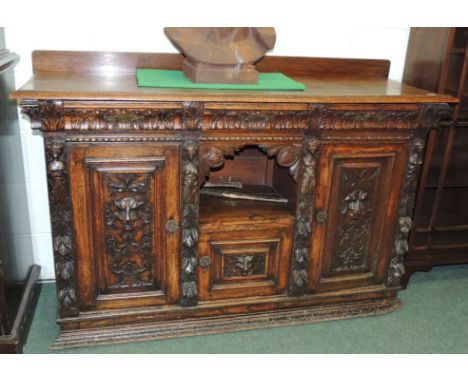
(437, 60)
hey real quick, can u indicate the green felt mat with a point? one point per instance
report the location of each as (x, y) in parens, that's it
(158, 78)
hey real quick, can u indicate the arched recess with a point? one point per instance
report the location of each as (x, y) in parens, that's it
(286, 154)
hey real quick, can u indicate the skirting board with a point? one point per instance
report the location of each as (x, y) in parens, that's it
(222, 324)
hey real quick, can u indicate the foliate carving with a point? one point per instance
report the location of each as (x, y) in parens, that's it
(354, 221)
(432, 114)
(62, 228)
(304, 213)
(122, 119)
(408, 195)
(129, 233)
(189, 245)
(326, 118)
(255, 119)
(44, 115)
(192, 115)
(244, 265)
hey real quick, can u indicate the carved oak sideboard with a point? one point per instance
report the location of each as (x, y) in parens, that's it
(142, 247)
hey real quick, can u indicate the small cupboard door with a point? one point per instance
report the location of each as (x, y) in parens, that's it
(124, 196)
(355, 211)
(249, 262)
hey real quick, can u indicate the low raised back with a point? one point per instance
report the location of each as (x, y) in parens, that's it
(116, 62)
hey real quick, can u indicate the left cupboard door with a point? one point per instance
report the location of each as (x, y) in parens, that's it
(125, 203)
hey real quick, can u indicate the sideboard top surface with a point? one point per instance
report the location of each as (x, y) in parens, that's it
(111, 76)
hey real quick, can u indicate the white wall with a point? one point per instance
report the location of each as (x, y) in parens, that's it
(359, 42)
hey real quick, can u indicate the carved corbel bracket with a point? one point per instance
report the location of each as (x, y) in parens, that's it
(44, 115)
(286, 156)
(212, 157)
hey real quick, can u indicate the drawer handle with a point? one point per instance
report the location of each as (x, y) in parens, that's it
(172, 226)
(204, 261)
(321, 217)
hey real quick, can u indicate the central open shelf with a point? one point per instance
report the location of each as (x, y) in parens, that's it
(250, 174)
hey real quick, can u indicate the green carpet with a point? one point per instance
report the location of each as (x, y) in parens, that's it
(432, 319)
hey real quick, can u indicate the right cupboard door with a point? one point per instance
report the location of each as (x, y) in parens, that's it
(356, 209)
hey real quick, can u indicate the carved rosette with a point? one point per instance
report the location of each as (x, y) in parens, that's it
(405, 221)
(304, 212)
(62, 227)
(189, 244)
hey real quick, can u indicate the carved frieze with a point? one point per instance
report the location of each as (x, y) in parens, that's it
(256, 120)
(122, 119)
(62, 227)
(189, 245)
(354, 218)
(304, 213)
(128, 233)
(326, 118)
(191, 115)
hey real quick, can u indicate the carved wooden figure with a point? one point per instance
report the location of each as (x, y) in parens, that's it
(141, 253)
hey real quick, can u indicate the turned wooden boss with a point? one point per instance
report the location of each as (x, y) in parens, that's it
(222, 55)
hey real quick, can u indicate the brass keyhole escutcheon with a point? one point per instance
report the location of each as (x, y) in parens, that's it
(172, 226)
(204, 261)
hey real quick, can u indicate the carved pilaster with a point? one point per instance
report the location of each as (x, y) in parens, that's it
(189, 244)
(44, 115)
(62, 227)
(405, 213)
(304, 212)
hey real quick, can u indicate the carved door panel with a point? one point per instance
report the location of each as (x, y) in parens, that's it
(125, 205)
(244, 263)
(355, 214)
